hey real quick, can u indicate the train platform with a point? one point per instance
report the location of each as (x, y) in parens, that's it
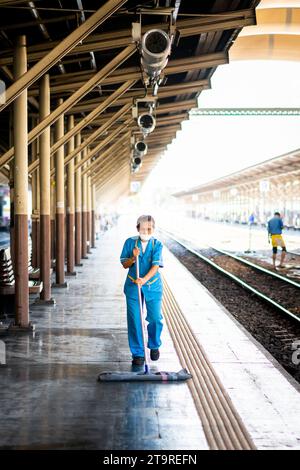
(51, 398)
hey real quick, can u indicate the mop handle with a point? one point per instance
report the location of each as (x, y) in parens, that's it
(141, 314)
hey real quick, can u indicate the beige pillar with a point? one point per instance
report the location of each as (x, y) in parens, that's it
(38, 210)
(84, 211)
(35, 216)
(20, 247)
(60, 205)
(44, 146)
(78, 202)
(52, 213)
(70, 205)
(89, 210)
(11, 189)
(93, 216)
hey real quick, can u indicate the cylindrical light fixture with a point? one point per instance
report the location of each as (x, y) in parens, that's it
(146, 123)
(140, 148)
(156, 46)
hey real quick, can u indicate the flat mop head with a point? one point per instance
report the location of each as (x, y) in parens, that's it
(183, 374)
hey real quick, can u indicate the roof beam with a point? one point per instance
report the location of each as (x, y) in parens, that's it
(98, 132)
(163, 92)
(113, 194)
(114, 160)
(114, 165)
(187, 64)
(122, 169)
(103, 143)
(176, 108)
(116, 146)
(65, 46)
(160, 121)
(118, 39)
(66, 105)
(36, 22)
(174, 66)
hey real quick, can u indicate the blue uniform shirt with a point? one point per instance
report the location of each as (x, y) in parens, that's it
(275, 226)
(153, 288)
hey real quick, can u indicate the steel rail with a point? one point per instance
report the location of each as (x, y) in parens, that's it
(236, 279)
(257, 267)
(293, 253)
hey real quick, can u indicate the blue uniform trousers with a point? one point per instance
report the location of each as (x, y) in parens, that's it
(154, 327)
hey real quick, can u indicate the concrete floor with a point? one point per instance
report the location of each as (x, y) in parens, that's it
(49, 394)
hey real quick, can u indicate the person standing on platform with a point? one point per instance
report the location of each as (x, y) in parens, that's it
(275, 226)
(149, 250)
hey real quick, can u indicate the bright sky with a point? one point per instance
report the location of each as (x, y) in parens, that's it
(209, 147)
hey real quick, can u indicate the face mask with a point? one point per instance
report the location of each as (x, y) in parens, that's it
(145, 237)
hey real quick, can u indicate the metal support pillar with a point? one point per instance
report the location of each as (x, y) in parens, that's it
(38, 208)
(21, 192)
(93, 216)
(52, 215)
(35, 225)
(84, 212)
(11, 192)
(70, 205)
(78, 200)
(44, 143)
(89, 222)
(59, 206)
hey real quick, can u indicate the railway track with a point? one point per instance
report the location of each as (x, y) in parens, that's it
(280, 292)
(293, 253)
(273, 320)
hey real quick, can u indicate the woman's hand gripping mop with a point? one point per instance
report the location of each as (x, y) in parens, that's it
(146, 375)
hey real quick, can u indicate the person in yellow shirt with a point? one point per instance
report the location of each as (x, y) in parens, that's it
(275, 226)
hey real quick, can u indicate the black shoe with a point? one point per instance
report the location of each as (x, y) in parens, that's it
(138, 361)
(154, 354)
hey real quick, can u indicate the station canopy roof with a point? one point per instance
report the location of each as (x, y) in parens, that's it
(203, 33)
(285, 167)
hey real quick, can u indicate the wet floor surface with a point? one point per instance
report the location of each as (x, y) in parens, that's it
(49, 394)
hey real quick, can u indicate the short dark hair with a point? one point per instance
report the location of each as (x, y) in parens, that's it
(145, 218)
(276, 213)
